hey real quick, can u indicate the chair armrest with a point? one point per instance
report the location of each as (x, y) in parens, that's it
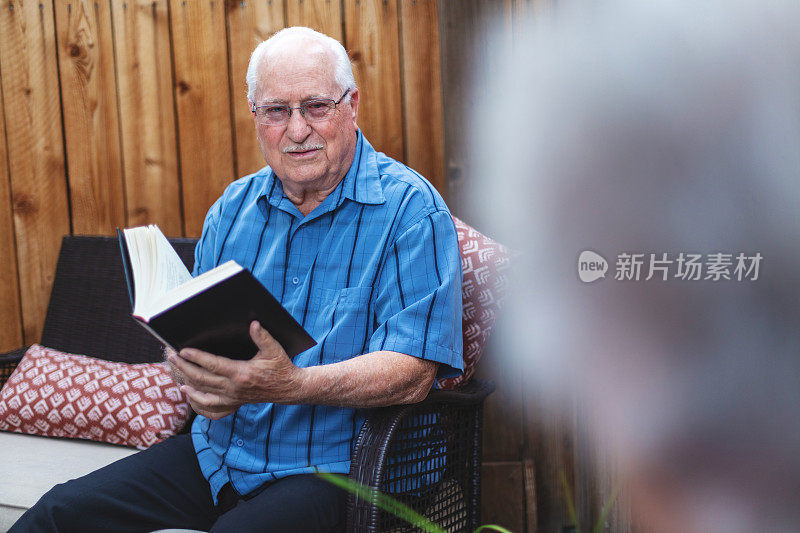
(9, 361)
(418, 446)
(474, 392)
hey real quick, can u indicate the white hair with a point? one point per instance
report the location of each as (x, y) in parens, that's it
(343, 71)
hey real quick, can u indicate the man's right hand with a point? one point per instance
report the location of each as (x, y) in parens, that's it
(217, 386)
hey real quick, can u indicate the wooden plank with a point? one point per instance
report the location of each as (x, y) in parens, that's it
(587, 475)
(249, 23)
(371, 33)
(147, 114)
(202, 93)
(10, 318)
(91, 125)
(502, 495)
(503, 434)
(529, 482)
(597, 481)
(463, 27)
(422, 91)
(35, 151)
(549, 445)
(322, 15)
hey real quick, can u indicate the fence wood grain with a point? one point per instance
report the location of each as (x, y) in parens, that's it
(529, 486)
(146, 109)
(249, 23)
(35, 151)
(202, 90)
(422, 91)
(549, 444)
(464, 25)
(371, 33)
(322, 15)
(11, 331)
(502, 495)
(91, 126)
(502, 410)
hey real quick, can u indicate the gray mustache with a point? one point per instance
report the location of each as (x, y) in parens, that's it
(302, 148)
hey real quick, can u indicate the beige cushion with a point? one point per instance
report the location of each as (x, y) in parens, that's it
(32, 465)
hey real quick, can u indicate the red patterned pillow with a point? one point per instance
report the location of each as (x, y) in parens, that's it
(483, 263)
(57, 394)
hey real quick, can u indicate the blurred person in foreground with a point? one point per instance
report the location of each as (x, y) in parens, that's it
(669, 129)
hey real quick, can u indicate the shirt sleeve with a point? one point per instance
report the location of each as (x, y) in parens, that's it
(418, 303)
(204, 259)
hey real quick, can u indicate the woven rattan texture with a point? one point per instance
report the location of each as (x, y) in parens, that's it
(426, 456)
(89, 311)
(8, 362)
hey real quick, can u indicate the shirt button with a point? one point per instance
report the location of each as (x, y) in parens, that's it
(240, 442)
(295, 280)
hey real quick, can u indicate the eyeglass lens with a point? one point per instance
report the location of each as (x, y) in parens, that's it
(312, 110)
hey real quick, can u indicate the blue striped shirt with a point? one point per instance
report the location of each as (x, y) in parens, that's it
(375, 266)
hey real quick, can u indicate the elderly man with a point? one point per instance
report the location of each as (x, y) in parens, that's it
(363, 252)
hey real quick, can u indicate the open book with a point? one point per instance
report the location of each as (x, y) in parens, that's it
(211, 312)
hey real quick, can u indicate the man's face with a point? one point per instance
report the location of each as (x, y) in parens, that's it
(306, 155)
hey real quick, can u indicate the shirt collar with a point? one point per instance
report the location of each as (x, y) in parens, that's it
(362, 183)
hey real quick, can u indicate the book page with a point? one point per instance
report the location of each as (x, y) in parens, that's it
(156, 266)
(194, 286)
(171, 270)
(140, 255)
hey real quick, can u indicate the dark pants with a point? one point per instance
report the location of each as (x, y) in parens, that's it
(162, 487)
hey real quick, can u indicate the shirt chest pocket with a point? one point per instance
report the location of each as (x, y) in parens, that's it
(346, 326)
(352, 299)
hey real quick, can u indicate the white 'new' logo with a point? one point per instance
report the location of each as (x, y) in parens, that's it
(591, 266)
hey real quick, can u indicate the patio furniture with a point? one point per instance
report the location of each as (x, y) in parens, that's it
(427, 455)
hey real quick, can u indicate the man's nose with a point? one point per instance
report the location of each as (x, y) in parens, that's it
(297, 128)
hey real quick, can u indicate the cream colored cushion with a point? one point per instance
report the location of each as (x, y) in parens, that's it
(31, 465)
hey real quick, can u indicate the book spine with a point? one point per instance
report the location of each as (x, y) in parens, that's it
(126, 265)
(152, 332)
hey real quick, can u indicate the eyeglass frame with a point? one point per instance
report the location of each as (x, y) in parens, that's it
(336, 103)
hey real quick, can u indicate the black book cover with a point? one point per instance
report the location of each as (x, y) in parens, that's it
(126, 264)
(217, 319)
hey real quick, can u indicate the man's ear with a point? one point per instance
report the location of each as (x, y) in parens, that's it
(354, 106)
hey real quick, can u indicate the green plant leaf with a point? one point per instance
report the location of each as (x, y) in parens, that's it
(601, 520)
(573, 515)
(386, 503)
(495, 527)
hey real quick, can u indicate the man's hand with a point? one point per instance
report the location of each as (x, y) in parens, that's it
(217, 386)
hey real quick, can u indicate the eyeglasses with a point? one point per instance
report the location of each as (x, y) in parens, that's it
(315, 110)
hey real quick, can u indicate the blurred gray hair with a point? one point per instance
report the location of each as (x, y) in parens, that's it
(343, 71)
(660, 127)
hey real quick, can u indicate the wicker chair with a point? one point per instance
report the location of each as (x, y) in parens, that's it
(427, 455)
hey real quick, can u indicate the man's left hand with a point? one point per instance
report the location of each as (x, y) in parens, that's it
(217, 386)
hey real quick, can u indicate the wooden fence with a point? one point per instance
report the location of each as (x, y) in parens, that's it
(128, 112)
(529, 454)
